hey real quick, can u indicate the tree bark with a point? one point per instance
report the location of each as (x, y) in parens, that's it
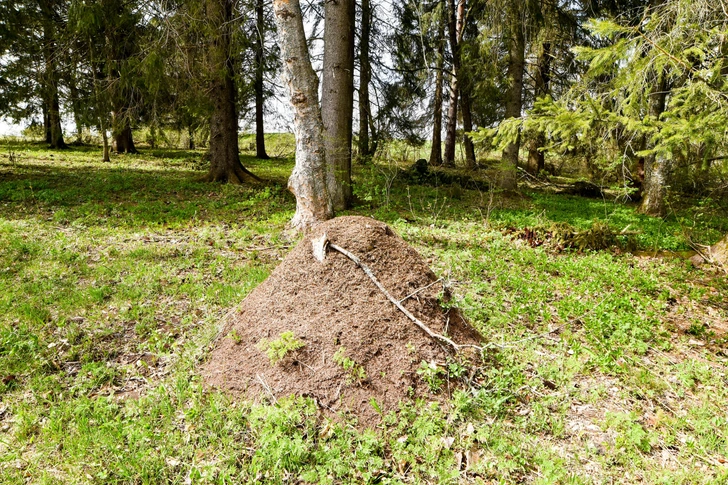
(514, 93)
(436, 149)
(657, 166)
(99, 105)
(365, 75)
(105, 142)
(309, 180)
(455, 27)
(46, 121)
(54, 132)
(536, 157)
(259, 69)
(123, 137)
(337, 101)
(152, 137)
(374, 135)
(76, 105)
(470, 162)
(191, 137)
(54, 115)
(225, 163)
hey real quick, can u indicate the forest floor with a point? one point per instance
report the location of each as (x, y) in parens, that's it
(606, 366)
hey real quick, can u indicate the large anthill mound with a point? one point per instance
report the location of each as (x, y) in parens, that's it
(716, 254)
(357, 346)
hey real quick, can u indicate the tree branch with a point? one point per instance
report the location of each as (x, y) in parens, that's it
(396, 302)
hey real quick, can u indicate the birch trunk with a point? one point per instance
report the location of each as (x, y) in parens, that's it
(308, 182)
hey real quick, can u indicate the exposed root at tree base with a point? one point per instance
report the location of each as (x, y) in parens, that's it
(235, 176)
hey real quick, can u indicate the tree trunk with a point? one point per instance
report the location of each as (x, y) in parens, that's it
(365, 75)
(655, 186)
(436, 149)
(259, 69)
(514, 93)
(46, 121)
(105, 141)
(152, 138)
(191, 137)
(657, 166)
(337, 101)
(99, 105)
(55, 121)
(309, 180)
(374, 136)
(536, 157)
(76, 106)
(470, 162)
(54, 132)
(452, 122)
(455, 27)
(123, 138)
(225, 163)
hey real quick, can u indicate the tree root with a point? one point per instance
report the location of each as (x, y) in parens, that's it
(241, 170)
(235, 176)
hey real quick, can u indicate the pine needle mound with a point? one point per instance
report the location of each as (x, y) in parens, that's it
(333, 334)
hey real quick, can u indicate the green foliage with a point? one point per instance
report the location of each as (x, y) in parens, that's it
(235, 336)
(630, 434)
(432, 374)
(606, 115)
(355, 371)
(279, 348)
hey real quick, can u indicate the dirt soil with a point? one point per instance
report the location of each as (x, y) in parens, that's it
(330, 306)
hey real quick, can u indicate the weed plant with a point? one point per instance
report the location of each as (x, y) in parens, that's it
(279, 348)
(601, 366)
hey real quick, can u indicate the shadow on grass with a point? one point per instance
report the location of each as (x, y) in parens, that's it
(96, 194)
(171, 153)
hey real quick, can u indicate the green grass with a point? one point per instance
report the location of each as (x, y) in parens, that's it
(114, 278)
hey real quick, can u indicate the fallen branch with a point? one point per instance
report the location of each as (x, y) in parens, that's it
(396, 302)
(535, 179)
(267, 388)
(267, 248)
(419, 290)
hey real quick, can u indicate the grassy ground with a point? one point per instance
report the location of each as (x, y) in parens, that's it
(603, 366)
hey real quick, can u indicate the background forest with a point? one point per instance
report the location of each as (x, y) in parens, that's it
(562, 166)
(628, 94)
